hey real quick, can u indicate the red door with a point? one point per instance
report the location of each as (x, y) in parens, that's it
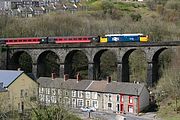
(122, 108)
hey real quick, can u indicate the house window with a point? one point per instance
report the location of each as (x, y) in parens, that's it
(41, 90)
(110, 106)
(47, 90)
(118, 98)
(94, 95)
(88, 95)
(66, 93)
(130, 109)
(66, 101)
(130, 99)
(95, 103)
(80, 102)
(48, 99)
(53, 99)
(73, 93)
(53, 91)
(59, 92)
(59, 99)
(26, 93)
(110, 97)
(73, 102)
(80, 94)
(41, 97)
(22, 93)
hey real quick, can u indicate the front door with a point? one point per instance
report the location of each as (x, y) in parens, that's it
(118, 108)
(122, 108)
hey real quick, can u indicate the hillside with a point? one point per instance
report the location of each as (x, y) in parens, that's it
(160, 19)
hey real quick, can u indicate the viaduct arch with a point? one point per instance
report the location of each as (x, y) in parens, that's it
(92, 54)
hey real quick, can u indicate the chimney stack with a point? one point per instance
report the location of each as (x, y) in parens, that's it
(108, 79)
(66, 77)
(19, 69)
(53, 76)
(78, 77)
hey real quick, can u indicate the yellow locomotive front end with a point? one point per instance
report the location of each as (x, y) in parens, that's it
(144, 38)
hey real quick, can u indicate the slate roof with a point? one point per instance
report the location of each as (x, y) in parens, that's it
(8, 76)
(97, 86)
(124, 88)
(60, 83)
(44, 81)
(90, 85)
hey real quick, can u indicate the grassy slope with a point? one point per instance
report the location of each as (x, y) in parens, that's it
(125, 7)
(167, 110)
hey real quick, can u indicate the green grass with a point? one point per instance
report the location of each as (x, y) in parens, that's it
(167, 110)
(124, 6)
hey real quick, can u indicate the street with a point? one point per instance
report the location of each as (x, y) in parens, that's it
(113, 116)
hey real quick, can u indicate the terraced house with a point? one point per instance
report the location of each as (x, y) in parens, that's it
(104, 95)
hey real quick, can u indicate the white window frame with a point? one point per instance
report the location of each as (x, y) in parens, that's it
(88, 95)
(53, 91)
(48, 99)
(53, 99)
(48, 91)
(111, 108)
(95, 105)
(131, 99)
(73, 93)
(94, 95)
(110, 97)
(59, 92)
(82, 102)
(80, 94)
(41, 97)
(41, 89)
(73, 102)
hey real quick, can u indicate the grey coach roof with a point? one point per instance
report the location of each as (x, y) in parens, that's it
(8, 76)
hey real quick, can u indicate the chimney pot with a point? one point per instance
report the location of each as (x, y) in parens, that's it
(53, 75)
(108, 79)
(66, 77)
(78, 77)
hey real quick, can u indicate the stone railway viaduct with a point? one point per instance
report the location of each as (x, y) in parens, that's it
(93, 52)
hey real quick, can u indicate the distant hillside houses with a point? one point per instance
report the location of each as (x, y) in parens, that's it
(29, 8)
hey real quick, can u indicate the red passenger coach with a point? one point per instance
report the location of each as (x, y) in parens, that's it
(73, 39)
(18, 41)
